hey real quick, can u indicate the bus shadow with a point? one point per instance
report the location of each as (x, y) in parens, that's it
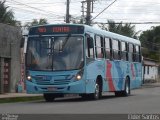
(78, 99)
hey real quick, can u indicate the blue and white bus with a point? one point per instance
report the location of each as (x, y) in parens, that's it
(79, 59)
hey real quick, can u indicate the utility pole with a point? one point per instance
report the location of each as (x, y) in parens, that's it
(88, 17)
(83, 2)
(67, 12)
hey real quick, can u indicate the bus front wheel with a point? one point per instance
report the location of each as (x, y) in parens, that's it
(48, 97)
(98, 92)
(93, 96)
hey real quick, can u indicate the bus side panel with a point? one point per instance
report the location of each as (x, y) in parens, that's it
(117, 71)
(94, 69)
(136, 75)
(119, 74)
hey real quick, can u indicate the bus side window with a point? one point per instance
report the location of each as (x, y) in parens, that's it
(130, 53)
(134, 53)
(99, 46)
(90, 47)
(140, 56)
(116, 49)
(137, 53)
(124, 50)
(107, 48)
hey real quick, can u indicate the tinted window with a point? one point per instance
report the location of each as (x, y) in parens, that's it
(130, 52)
(137, 53)
(99, 46)
(107, 48)
(116, 49)
(124, 50)
(89, 47)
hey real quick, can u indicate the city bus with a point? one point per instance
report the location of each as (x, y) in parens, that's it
(79, 59)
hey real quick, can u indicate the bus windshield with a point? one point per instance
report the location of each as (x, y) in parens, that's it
(55, 53)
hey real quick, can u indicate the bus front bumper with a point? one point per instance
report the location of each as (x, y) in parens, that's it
(73, 88)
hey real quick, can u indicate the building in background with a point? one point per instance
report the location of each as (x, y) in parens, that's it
(150, 70)
(10, 67)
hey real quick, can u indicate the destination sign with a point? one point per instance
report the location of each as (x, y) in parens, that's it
(56, 29)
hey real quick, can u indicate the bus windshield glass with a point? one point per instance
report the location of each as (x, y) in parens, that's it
(55, 53)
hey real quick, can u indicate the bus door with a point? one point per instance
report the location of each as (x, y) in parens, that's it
(89, 61)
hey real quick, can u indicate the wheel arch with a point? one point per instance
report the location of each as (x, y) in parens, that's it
(99, 80)
(129, 80)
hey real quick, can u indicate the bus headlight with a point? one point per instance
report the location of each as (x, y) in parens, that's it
(29, 78)
(79, 75)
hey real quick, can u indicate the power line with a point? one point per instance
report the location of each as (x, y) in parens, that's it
(35, 8)
(104, 10)
(129, 23)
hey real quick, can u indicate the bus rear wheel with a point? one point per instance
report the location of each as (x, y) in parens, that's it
(126, 91)
(48, 97)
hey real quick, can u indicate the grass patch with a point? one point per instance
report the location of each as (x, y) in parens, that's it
(20, 99)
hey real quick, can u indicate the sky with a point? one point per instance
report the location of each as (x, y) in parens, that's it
(134, 11)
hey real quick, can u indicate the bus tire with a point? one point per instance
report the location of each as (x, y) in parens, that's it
(48, 97)
(118, 93)
(98, 92)
(126, 91)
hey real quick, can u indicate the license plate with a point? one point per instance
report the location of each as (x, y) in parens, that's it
(51, 88)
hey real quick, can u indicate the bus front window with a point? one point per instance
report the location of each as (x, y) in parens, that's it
(55, 53)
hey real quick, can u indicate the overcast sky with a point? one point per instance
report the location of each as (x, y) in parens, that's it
(122, 10)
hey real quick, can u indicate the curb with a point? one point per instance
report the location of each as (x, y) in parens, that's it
(20, 99)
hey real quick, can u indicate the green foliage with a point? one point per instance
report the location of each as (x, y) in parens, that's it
(20, 99)
(6, 16)
(150, 40)
(123, 29)
(36, 22)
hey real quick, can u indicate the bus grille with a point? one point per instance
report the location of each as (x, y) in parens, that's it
(60, 80)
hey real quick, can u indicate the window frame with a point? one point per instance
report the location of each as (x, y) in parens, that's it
(101, 47)
(88, 53)
(118, 50)
(109, 48)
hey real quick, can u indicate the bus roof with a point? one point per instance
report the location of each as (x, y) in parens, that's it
(98, 32)
(111, 34)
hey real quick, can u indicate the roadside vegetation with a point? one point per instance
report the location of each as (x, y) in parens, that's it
(20, 99)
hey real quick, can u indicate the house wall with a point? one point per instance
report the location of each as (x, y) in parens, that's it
(150, 71)
(10, 38)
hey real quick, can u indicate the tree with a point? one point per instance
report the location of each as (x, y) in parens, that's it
(150, 40)
(124, 29)
(6, 16)
(36, 22)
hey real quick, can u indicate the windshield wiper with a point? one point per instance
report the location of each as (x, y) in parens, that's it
(65, 41)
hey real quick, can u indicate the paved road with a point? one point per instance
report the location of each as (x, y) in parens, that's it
(144, 100)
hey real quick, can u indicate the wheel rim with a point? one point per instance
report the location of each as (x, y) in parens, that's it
(127, 88)
(97, 91)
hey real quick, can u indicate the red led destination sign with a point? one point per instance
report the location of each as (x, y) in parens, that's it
(61, 29)
(56, 29)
